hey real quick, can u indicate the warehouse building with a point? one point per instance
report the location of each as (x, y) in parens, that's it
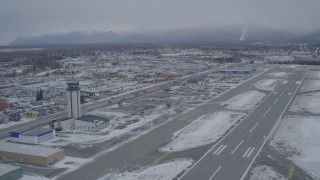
(30, 154)
(9, 172)
(32, 136)
(237, 71)
(91, 123)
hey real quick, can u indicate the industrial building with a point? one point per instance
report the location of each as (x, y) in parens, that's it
(9, 172)
(91, 123)
(237, 71)
(32, 136)
(30, 154)
(73, 94)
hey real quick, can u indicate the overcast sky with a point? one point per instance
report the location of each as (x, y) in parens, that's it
(35, 17)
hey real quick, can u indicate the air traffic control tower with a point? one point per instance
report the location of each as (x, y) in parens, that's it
(73, 94)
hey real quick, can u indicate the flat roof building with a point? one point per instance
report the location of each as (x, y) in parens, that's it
(32, 136)
(10, 172)
(30, 154)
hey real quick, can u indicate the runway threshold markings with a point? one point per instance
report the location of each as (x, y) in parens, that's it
(248, 153)
(253, 127)
(234, 150)
(219, 150)
(267, 111)
(211, 177)
(161, 158)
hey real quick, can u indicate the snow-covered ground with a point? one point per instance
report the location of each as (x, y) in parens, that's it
(264, 172)
(205, 130)
(310, 85)
(33, 177)
(164, 171)
(267, 84)
(245, 101)
(278, 74)
(13, 123)
(298, 138)
(314, 74)
(306, 103)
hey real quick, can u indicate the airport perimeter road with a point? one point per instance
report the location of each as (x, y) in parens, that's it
(231, 158)
(143, 150)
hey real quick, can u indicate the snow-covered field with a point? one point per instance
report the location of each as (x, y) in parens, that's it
(245, 101)
(310, 85)
(306, 103)
(314, 74)
(278, 74)
(205, 130)
(298, 138)
(264, 172)
(267, 84)
(164, 171)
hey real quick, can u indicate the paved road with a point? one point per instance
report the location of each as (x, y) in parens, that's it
(141, 151)
(233, 155)
(101, 103)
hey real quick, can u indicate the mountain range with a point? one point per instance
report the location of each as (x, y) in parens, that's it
(204, 34)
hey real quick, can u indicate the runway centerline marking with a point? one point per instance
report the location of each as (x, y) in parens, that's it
(267, 111)
(237, 147)
(245, 154)
(275, 102)
(281, 94)
(253, 127)
(210, 178)
(249, 154)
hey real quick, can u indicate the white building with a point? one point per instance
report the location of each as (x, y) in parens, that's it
(32, 136)
(91, 123)
(73, 94)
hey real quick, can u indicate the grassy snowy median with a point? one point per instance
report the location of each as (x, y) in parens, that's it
(245, 101)
(267, 84)
(205, 130)
(298, 138)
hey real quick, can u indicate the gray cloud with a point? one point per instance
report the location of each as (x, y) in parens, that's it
(33, 17)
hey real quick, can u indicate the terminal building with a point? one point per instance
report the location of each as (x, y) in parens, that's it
(30, 154)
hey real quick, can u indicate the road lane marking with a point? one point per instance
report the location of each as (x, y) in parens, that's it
(245, 154)
(267, 111)
(237, 147)
(253, 127)
(215, 172)
(249, 154)
(275, 102)
(281, 94)
(218, 149)
(222, 149)
(161, 158)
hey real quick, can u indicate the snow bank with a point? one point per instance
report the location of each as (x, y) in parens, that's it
(164, 171)
(306, 103)
(267, 84)
(265, 173)
(310, 85)
(298, 138)
(278, 74)
(205, 130)
(245, 101)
